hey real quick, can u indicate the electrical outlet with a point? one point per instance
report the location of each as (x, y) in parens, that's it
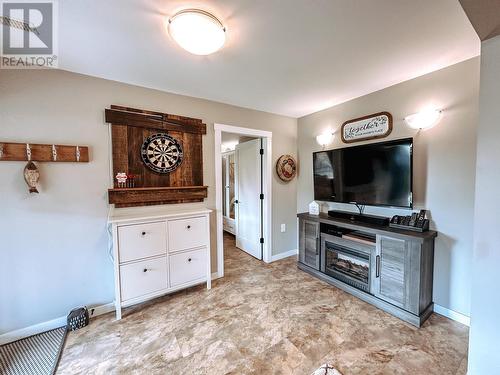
(283, 228)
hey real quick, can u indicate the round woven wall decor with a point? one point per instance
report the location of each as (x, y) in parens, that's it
(286, 167)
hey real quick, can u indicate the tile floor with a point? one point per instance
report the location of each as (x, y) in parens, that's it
(263, 319)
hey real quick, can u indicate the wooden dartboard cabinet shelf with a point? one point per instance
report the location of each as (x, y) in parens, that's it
(130, 127)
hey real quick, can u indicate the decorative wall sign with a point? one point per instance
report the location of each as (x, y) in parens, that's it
(161, 153)
(286, 167)
(378, 125)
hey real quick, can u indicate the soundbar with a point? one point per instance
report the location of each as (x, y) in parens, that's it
(360, 218)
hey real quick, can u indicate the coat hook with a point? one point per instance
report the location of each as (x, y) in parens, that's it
(77, 153)
(54, 153)
(28, 151)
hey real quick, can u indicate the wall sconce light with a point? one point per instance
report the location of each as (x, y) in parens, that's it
(324, 139)
(425, 119)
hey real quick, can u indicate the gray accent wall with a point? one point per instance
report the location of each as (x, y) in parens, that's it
(485, 323)
(444, 164)
(54, 251)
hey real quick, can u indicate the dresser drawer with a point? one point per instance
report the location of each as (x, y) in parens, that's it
(188, 266)
(144, 277)
(185, 234)
(142, 241)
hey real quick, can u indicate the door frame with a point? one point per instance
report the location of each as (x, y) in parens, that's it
(267, 189)
(227, 200)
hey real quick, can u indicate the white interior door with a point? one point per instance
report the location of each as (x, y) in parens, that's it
(248, 189)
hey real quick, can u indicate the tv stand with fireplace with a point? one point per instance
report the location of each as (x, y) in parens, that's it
(389, 268)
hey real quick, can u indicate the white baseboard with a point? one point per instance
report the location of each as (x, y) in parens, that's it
(215, 275)
(284, 255)
(51, 324)
(32, 330)
(453, 315)
(101, 309)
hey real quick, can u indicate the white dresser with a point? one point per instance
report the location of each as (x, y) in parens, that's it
(159, 253)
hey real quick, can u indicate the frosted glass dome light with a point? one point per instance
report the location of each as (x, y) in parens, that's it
(425, 119)
(197, 31)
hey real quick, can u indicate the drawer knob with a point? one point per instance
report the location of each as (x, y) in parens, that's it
(145, 270)
(143, 233)
(189, 227)
(189, 260)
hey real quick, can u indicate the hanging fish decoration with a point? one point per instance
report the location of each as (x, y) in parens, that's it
(31, 176)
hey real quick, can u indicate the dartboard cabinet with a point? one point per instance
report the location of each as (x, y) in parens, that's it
(163, 152)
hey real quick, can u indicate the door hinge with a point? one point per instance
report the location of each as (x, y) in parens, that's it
(262, 196)
(262, 151)
(261, 240)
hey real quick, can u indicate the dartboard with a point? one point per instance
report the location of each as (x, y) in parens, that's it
(161, 153)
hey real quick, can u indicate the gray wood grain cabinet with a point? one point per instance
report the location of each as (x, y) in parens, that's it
(309, 243)
(399, 272)
(400, 263)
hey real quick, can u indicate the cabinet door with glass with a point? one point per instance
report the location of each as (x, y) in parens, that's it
(309, 243)
(228, 192)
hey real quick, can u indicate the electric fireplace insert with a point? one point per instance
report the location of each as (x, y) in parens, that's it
(349, 265)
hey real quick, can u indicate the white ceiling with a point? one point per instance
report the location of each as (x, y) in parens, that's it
(290, 57)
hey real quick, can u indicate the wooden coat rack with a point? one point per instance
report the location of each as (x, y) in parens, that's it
(43, 153)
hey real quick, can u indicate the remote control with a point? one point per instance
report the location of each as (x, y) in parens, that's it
(413, 220)
(407, 220)
(421, 219)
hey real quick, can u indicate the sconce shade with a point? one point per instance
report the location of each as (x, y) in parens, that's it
(425, 119)
(324, 139)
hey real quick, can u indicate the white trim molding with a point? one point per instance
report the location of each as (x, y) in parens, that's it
(286, 254)
(453, 315)
(35, 329)
(19, 334)
(101, 309)
(268, 177)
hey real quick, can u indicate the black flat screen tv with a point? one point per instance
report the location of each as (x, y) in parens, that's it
(376, 174)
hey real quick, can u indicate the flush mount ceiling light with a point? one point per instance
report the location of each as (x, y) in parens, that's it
(197, 31)
(425, 119)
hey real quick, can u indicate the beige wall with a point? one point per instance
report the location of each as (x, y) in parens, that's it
(444, 164)
(485, 323)
(54, 246)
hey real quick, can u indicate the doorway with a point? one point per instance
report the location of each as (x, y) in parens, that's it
(243, 190)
